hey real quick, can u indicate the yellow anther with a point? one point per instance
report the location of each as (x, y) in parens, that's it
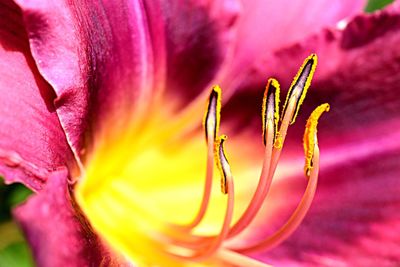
(310, 136)
(222, 163)
(212, 116)
(278, 140)
(301, 83)
(270, 107)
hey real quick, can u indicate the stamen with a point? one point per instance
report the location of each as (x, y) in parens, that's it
(270, 113)
(270, 118)
(223, 164)
(227, 187)
(270, 107)
(305, 73)
(212, 244)
(298, 88)
(205, 246)
(298, 215)
(212, 117)
(292, 105)
(211, 127)
(310, 136)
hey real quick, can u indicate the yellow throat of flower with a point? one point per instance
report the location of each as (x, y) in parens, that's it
(144, 190)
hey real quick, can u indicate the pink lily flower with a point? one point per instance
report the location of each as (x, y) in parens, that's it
(101, 117)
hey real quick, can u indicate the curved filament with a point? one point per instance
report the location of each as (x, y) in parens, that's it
(295, 219)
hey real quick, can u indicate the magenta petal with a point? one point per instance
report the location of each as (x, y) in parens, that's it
(200, 38)
(98, 56)
(93, 55)
(57, 233)
(32, 141)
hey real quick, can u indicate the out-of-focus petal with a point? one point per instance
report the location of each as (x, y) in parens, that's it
(32, 141)
(266, 27)
(111, 57)
(353, 46)
(58, 234)
(200, 36)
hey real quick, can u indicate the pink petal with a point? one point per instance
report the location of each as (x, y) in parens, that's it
(112, 56)
(80, 49)
(200, 39)
(58, 234)
(32, 141)
(353, 47)
(266, 27)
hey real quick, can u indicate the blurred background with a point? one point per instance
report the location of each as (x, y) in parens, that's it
(14, 251)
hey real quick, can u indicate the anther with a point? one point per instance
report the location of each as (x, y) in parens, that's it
(310, 136)
(222, 163)
(299, 86)
(278, 141)
(270, 108)
(212, 117)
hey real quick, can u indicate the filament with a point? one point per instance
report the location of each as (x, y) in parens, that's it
(211, 245)
(270, 118)
(211, 123)
(295, 219)
(207, 188)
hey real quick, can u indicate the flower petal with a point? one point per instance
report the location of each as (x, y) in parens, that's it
(89, 54)
(266, 27)
(58, 234)
(339, 48)
(117, 55)
(200, 38)
(32, 141)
